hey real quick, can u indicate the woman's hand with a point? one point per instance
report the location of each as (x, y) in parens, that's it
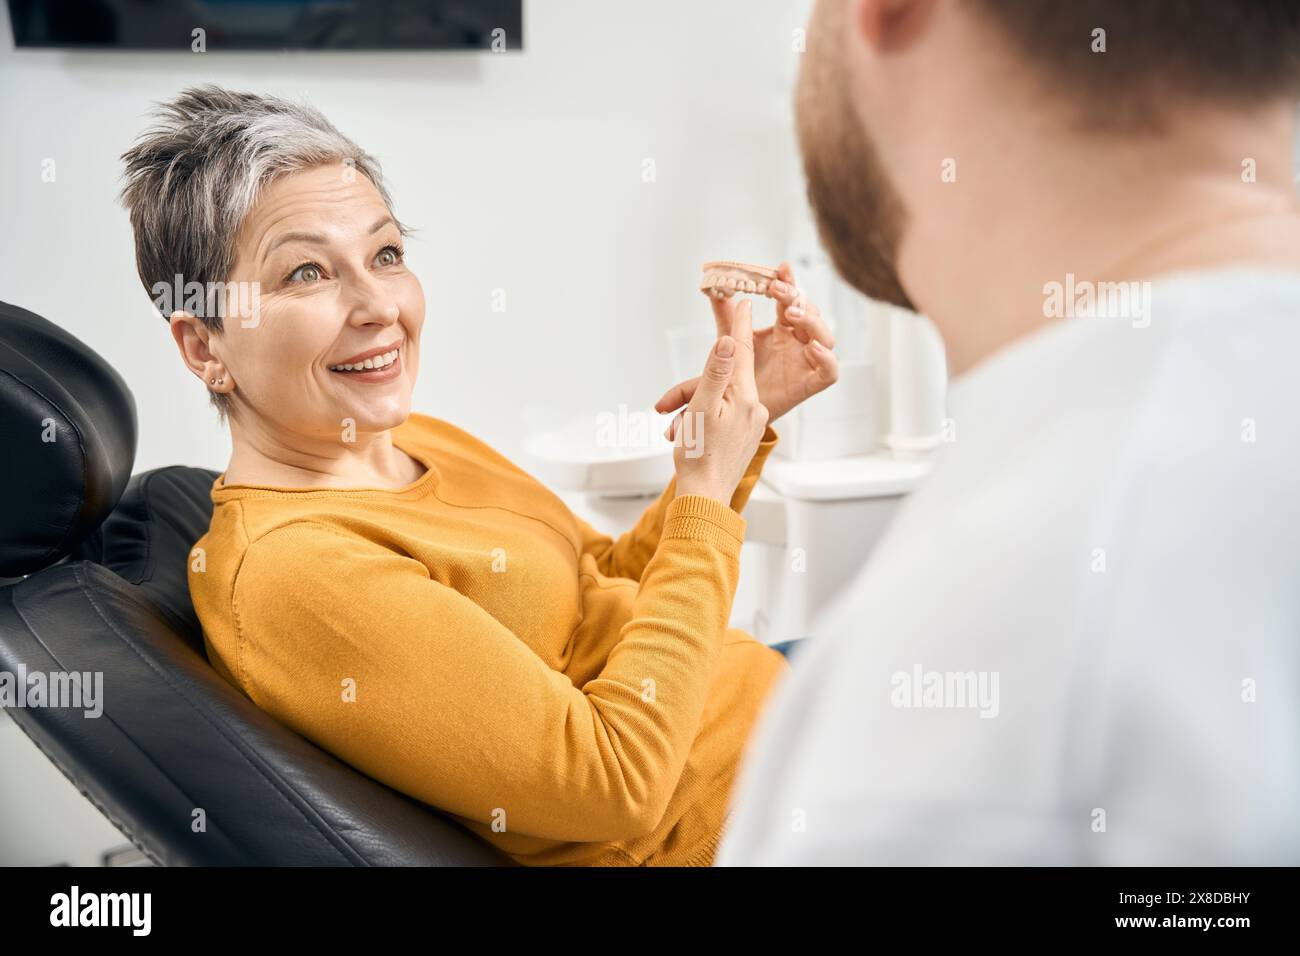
(719, 430)
(792, 358)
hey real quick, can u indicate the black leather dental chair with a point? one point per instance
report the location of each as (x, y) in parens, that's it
(93, 579)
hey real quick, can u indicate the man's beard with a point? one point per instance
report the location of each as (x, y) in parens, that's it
(859, 215)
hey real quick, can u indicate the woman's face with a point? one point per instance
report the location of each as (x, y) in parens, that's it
(333, 286)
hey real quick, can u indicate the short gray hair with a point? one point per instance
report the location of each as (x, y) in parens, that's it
(193, 177)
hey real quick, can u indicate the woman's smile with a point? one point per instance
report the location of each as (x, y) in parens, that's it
(385, 374)
(383, 367)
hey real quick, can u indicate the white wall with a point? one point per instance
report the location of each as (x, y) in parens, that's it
(523, 171)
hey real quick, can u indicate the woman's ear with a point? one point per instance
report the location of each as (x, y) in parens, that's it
(194, 340)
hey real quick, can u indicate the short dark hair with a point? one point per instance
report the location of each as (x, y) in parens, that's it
(1157, 51)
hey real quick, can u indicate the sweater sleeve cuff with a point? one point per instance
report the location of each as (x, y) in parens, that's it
(765, 446)
(740, 497)
(700, 518)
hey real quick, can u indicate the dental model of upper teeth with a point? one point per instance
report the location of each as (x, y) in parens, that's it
(723, 279)
(374, 362)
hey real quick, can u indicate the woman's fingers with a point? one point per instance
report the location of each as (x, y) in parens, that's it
(794, 310)
(784, 279)
(712, 385)
(784, 289)
(677, 396)
(789, 297)
(823, 363)
(808, 325)
(671, 431)
(724, 311)
(742, 330)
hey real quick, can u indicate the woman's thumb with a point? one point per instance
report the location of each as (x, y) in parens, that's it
(717, 373)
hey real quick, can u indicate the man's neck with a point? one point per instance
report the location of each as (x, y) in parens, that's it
(979, 251)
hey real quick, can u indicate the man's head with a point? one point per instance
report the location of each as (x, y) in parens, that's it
(899, 99)
(859, 212)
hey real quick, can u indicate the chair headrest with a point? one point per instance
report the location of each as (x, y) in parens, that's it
(67, 435)
(147, 539)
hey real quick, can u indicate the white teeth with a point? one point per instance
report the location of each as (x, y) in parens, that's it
(377, 361)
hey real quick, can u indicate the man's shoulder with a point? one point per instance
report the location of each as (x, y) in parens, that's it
(1096, 440)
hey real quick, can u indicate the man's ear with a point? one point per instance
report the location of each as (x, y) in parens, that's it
(890, 26)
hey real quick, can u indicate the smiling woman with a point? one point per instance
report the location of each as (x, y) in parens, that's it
(257, 193)
(397, 591)
(336, 292)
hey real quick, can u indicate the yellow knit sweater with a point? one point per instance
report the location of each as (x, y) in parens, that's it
(468, 640)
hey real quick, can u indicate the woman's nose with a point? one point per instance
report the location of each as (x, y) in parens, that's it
(370, 301)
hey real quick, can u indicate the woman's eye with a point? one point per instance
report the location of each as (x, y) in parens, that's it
(389, 256)
(308, 272)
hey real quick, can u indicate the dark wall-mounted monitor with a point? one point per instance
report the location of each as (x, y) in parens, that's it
(269, 24)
